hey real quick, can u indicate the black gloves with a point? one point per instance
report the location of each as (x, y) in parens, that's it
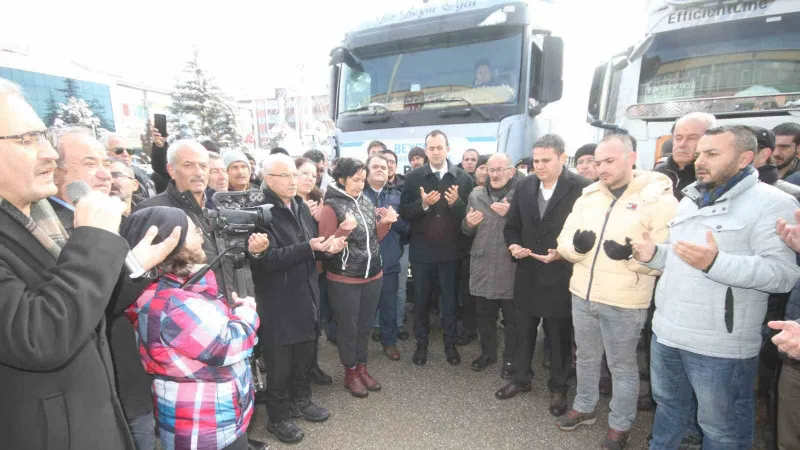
(583, 241)
(618, 252)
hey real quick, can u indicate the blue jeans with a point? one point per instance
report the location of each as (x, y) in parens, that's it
(725, 394)
(387, 309)
(143, 432)
(600, 327)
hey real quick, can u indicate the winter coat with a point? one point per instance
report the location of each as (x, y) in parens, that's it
(392, 244)
(56, 376)
(769, 174)
(491, 270)
(361, 258)
(287, 303)
(646, 205)
(694, 308)
(542, 290)
(680, 178)
(436, 232)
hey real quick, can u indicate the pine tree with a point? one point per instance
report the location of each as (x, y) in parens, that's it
(52, 110)
(200, 108)
(77, 112)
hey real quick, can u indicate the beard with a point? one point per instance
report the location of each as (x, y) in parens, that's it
(721, 177)
(182, 263)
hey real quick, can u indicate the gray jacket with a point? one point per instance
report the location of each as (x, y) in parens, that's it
(752, 262)
(491, 270)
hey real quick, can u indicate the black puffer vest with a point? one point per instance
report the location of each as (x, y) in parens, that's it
(362, 256)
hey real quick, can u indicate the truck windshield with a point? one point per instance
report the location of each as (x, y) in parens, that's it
(481, 66)
(747, 58)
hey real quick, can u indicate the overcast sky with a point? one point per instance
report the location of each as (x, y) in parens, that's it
(252, 45)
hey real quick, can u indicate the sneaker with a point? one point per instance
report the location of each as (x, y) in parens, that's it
(310, 411)
(286, 431)
(572, 419)
(615, 440)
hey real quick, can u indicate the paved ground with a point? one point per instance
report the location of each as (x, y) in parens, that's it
(439, 406)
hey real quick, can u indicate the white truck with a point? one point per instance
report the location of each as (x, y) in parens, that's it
(738, 60)
(479, 70)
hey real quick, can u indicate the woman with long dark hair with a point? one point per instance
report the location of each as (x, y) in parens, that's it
(354, 275)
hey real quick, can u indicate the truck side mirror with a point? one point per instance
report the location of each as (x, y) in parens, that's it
(334, 90)
(550, 85)
(595, 93)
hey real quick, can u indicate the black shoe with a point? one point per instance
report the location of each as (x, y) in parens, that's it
(482, 362)
(311, 411)
(286, 431)
(508, 370)
(294, 410)
(644, 375)
(376, 334)
(453, 358)
(466, 337)
(511, 390)
(402, 334)
(253, 444)
(319, 377)
(421, 355)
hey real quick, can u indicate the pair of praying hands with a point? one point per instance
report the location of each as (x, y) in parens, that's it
(474, 218)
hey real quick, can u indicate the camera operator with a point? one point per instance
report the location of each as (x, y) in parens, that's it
(286, 299)
(56, 376)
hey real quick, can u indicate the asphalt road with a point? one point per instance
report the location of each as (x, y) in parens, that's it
(440, 406)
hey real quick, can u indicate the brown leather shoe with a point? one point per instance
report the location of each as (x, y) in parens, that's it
(615, 440)
(511, 390)
(353, 383)
(558, 403)
(392, 352)
(370, 383)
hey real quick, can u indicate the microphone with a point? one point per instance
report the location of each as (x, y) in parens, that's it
(79, 189)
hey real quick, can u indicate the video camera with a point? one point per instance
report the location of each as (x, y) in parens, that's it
(238, 215)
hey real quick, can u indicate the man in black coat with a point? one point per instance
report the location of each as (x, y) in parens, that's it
(56, 376)
(434, 201)
(286, 299)
(679, 167)
(541, 284)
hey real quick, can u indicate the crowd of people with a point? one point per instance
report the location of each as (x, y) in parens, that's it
(696, 258)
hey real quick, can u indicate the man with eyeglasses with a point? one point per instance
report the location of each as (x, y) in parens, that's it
(395, 178)
(81, 158)
(116, 148)
(56, 375)
(123, 184)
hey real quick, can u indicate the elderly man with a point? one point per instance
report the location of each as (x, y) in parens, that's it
(679, 167)
(720, 262)
(584, 162)
(288, 301)
(116, 148)
(81, 158)
(123, 183)
(217, 173)
(541, 288)
(238, 168)
(611, 293)
(56, 380)
(491, 276)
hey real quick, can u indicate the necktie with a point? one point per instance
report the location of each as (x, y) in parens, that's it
(439, 175)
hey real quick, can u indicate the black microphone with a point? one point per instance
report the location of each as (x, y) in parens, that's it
(79, 189)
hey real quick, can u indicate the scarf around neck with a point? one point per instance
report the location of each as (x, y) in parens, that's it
(498, 194)
(710, 196)
(43, 224)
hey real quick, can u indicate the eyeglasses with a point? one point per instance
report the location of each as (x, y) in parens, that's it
(497, 171)
(119, 150)
(35, 138)
(118, 175)
(285, 176)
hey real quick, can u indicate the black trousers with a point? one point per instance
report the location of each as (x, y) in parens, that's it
(560, 333)
(487, 326)
(354, 306)
(425, 274)
(286, 376)
(466, 301)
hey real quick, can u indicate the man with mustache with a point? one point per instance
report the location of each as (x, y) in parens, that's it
(787, 142)
(123, 184)
(685, 134)
(80, 158)
(721, 260)
(238, 168)
(116, 148)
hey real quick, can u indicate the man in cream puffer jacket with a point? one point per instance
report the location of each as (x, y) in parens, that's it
(722, 261)
(611, 291)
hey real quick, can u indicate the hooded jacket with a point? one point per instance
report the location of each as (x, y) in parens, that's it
(720, 313)
(361, 258)
(646, 205)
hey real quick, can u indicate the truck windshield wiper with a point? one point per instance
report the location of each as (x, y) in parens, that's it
(466, 111)
(376, 116)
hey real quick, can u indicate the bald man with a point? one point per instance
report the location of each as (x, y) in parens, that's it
(116, 147)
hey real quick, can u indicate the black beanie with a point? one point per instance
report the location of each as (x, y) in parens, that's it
(585, 150)
(164, 217)
(482, 160)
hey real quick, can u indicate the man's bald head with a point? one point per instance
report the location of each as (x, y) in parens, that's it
(81, 158)
(500, 158)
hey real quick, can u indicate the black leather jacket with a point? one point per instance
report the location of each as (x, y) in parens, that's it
(362, 257)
